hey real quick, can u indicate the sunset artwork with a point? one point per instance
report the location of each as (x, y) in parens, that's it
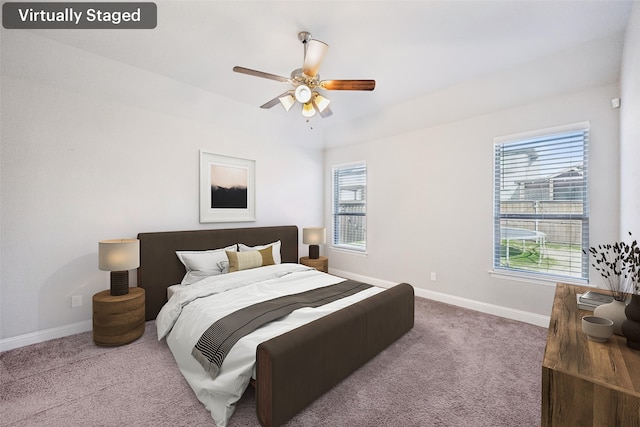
(229, 187)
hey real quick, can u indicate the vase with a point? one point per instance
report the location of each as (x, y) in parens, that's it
(613, 311)
(631, 326)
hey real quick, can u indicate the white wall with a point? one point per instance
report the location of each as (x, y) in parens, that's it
(429, 199)
(92, 150)
(630, 129)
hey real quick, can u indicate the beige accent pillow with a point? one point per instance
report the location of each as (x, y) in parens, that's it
(267, 256)
(277, 258)
(250, 259)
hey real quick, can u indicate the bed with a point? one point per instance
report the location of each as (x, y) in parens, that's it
(319, 348)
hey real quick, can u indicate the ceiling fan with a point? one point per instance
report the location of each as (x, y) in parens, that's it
(305, 82)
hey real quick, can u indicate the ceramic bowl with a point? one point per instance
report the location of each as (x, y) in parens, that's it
(597, 328)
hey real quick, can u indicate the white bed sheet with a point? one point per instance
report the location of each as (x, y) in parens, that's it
(174, 289)
(191, 311)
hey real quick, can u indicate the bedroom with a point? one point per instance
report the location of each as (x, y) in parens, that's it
(96, 148)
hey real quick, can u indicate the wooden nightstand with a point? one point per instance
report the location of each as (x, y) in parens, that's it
(320, 264)
(119, 319)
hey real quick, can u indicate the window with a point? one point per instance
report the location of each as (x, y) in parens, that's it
(350, 207)
(541, 206)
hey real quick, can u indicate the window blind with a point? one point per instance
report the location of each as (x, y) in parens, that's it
(541, 205)
(350, 206)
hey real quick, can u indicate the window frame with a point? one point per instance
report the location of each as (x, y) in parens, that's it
(498, 215)
(335, 236)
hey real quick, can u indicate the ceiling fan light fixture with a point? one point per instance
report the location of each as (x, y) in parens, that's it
(320, 102)
(287, 101)
(308, 110)
(304, 82)
(303, 94)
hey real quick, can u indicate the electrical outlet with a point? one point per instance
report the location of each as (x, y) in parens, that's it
(433, 275)
(76, 301)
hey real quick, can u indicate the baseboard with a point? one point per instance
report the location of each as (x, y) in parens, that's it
(497, 310)
(46, 335)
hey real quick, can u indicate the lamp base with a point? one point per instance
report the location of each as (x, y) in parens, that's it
(119, 283)
(314, 251)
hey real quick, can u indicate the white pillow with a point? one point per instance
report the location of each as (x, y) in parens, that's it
(224, 266)
(201, 264)
(275, 248)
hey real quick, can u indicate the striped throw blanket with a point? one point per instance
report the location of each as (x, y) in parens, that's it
(216, 342)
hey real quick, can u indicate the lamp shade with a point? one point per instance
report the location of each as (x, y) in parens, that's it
(314, 236)
(118, 254)
(303, 94)
(287, 101)
(308, 110)
(321, 102)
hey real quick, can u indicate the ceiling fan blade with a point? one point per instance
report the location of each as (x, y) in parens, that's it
(275, 101)
(314, 52)
(348, 84)
(260, 74)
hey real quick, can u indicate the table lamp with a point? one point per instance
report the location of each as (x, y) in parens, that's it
(119, 256)
(313, 237)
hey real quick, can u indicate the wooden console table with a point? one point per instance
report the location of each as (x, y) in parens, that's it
(585, 383)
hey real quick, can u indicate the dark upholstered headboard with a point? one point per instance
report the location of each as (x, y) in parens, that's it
(161, 268)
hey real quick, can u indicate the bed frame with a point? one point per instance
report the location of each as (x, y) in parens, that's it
(293, 369)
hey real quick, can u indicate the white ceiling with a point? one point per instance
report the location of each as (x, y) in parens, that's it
(421, 53)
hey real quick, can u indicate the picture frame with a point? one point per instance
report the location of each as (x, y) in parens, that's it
(227, 188)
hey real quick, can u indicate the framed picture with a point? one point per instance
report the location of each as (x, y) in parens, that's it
(227, 188)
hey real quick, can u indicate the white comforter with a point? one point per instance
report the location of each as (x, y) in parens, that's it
(193, 309)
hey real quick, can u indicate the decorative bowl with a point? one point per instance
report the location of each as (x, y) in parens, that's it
(598, 329)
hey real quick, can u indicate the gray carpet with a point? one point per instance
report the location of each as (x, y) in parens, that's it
(456, 367)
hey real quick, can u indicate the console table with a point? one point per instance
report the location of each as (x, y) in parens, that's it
(585, 383)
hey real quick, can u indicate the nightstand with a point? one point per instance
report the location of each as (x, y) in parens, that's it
(118, 319)
(320, 264)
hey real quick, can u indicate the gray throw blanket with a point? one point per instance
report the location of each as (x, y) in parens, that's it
(216, 342)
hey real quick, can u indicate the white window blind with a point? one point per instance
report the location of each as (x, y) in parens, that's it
(350, 207)
(541, 205)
